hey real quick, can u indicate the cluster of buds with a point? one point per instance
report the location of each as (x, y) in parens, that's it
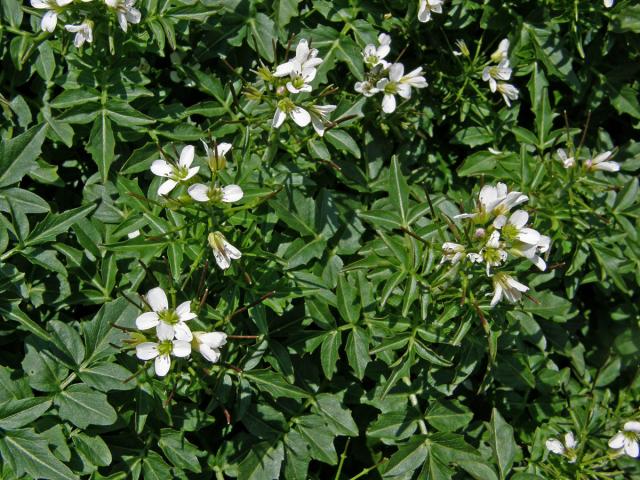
(496, 235)
(165, 334)
(124, 11)
(499, 73)
(288, 84)
(182, 172)
(387, 78)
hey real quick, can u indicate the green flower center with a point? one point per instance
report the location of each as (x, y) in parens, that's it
(165, 347)
(286, 105)
(298, 82)
(391, 88)
(169, 316)
(492, 256)
(509, 232)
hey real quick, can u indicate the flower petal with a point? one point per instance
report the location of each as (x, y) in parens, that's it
(232, 251)
(186, 156)
(181, 348)
(147, 350)
(147, 320)
(183, 310)
(157, 299)
(209, 353)
(162, 168)
(199, 192)
(632, 426)
(519, 218)
(232, 193)
(162, 365)
(182, 332)
(631, 448)
(570, 440)
(49, 21)
(388, 103)
(166, 187)
(555, 446)
(617, 441)
(164, 331)
(213, 339)
(278, 118)
(300, 116)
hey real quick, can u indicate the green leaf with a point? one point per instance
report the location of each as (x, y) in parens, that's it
(348, 302)
(285, 11)
(357, 349)
(179, 450)
(337, 417)
(398, 190)
(102, 144)
(502, 443)
(84, 406)
(263, 462)
(23, 200)
(44, 370)
(155, 468)
(28, 453)
(18, 155)
(99, 332)
(274, 384)
(18, 413)
(313, 429)
(394, 425)
(106, 377)
(93, 449)
(329, 353)
(448, 416)
(407, 459)
(260, 35)
(343, 141)
(56, 223)
(68, 340)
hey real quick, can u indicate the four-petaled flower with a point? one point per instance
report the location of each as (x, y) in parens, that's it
(305, 58)
(399, 84)
(169, 323)
(567, 161)
(180, 173)
(125, 11)
(374, 56)
(452, 252)
(492, 74)
(162, 351)
(203, 193)
(506, 286)
(286, 108)
(216, 155)
(426, 7)
(627, 440)
(602, 162)
(53, 7)
(209, 343)
(319, 117)
(223, 251)
(566, 448)
(84, 32)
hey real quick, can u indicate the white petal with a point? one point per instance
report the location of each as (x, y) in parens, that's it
(404, 90)
(182, 332)
(222, 149)
(500, 221)
(183, 310)
(161, 168)
(301, 116)
(529, 235)
(39, 4)
(157, 299)
(133, 16)
(488, 195)
(221, 259)
(164, 331)
(162, 365)
(554, 445)
(166, 187)
(617, 441)
(285, 69)
(632, 426)
(278, 118)
(513, 283)
(539, 262)
(497, 295)
(388, 103)
(122, 20)
(181, 348)
(396, 71)
(186, 156)
(213, 339)
(318, 124)
(232, 193)
(147, 320)
(209, 353)
(519, 218)
(631, 448)
(147, 350)
(191, 172)
(569, 440)
(607, 166)
(199, 192)
(231, 251)
(49, 21)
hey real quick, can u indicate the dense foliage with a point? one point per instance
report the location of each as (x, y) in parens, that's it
(319, 239)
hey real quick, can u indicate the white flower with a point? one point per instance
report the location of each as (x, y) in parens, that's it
(366, 88)
(223, 251)
(627, 440)
(506, 286)
(495, 200)
(567, 162)
(492, 253)
(162, 351)
(84, 32)
(286, 108)
(319, 117)
(452, 252)
(375, 55)
(566, 449)
(532, 252)
(414, 79)
(502, 71)
(301, 79)
(514, 228)
(508, 92)
(608, 3)
(125, 12)
(601, 162)
(169, 323)
(502, 53)
(209, 343)
(305, 58)
(399, 84)
(428, 6)
(175, 174)
(216, 155)
(53, 7)
(203, 193)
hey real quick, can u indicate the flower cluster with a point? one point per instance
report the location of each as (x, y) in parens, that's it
(566, 448)
(601, 162)
(173, 337)
(500, 72)
(124, 11)
(212, 193)
(387, 78)
(497, 235)
(287, 87)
